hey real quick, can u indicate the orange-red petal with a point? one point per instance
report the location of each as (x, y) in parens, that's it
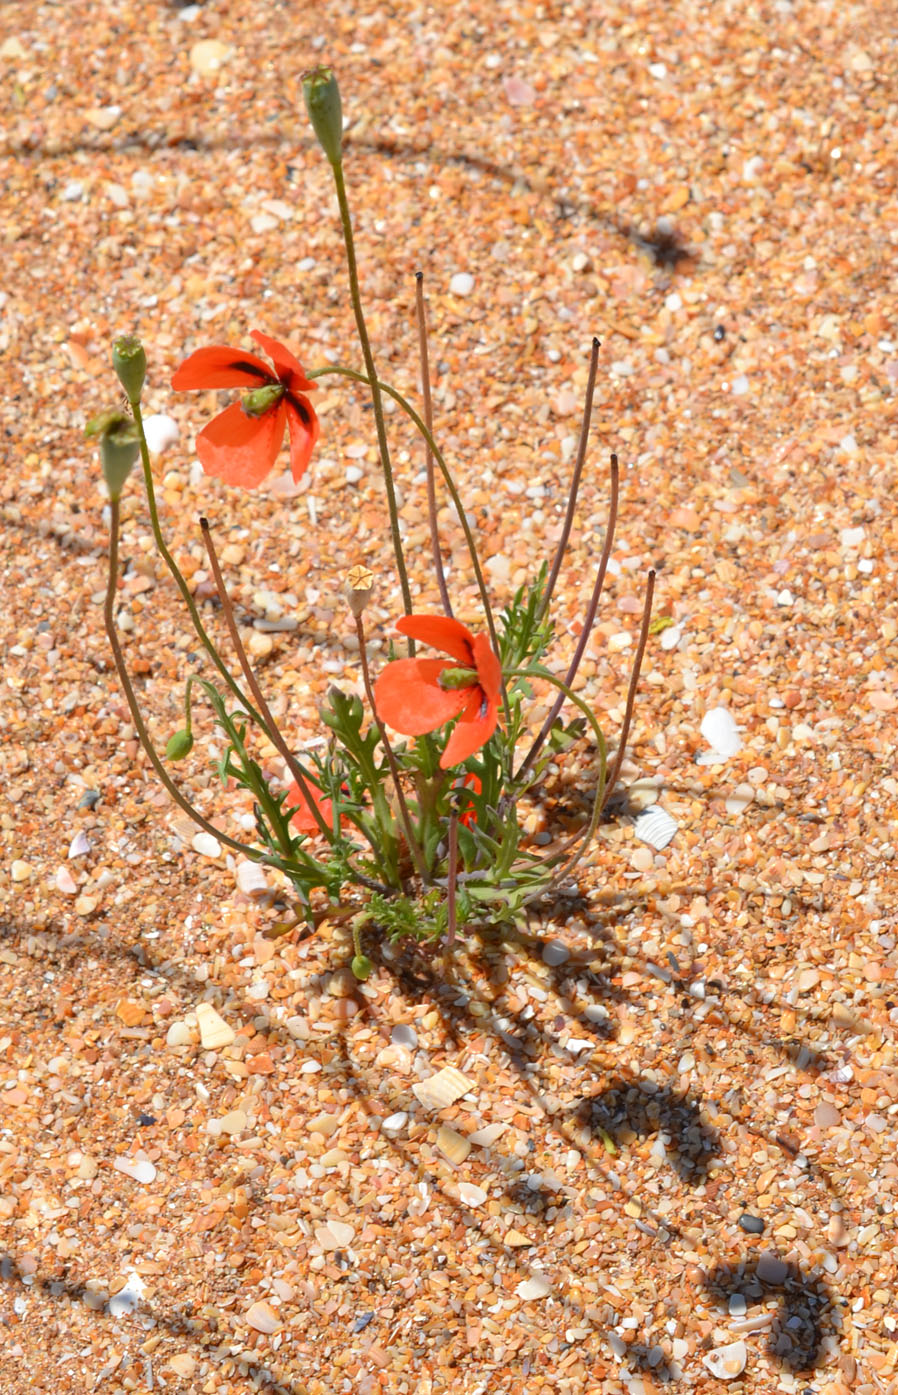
(303, 820)
(240, 449)
(304, 432)
(408, 696)
(220, 367)
(474, 728)
(289, 369)
(489, 670)
(443, 633)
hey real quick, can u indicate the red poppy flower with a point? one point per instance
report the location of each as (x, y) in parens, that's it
(241, 445)
(303, 820)
(418, 695)
(472, 782)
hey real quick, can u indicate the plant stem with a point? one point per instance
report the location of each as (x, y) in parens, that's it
(634, 679)
(575, 483)
(176, 572)
(451, 886)
(376, 399)
(267, 722)
(131, 697)
(428, 453)
(414, 848)
(588, 623)
(453, 494)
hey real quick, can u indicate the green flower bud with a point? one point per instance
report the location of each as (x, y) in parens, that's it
(260, 400)
(322, 95)
(179, 746)
(119, 447)
(362, 967)
(130, 364)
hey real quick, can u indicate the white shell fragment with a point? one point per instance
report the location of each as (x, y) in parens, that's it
(261, 1317)
(536, 1287)
(740, 799)
(726, 1363)
(471, 1195)
(161, 432)
(453, 1145)
(655, 827)
(79, 846)
(442, 1089)
(722, 735)
(140, 1169)
(214, 1031)
(206, 845)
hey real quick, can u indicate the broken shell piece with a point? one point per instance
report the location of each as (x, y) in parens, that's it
(261, 1317)
(452, 1145)
(537, 1287)
(655, 827)
(722, 735)
(727, 1362)
(740, 799)
(469, 1195)
(442, 1089)
(214, 1031)
(140, 1169)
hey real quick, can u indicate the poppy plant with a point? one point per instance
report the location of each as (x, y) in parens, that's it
(241, 445)
(418, 695)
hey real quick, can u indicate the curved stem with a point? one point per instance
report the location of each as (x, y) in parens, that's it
(575, 483)
(176, 572)
(414, 848)
(428, 453)
(453, 494)
(634, 679)
(131, 697)
(374, 385)
(267, 722)
(588, 623)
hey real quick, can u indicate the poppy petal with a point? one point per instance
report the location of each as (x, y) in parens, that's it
(220, 367)
(303, 820)
(289, 369)
(489, 670)
(408, 696)
(304, 432)
(443, 633)
(240, 449)
(474, 728)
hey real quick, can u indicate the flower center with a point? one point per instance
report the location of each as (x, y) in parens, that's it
(451, 679)
(261, 400)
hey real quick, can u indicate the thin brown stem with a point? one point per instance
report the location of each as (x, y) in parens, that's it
(428, 453)
(414, 848)
(270, 726)
(634, 680)
(588, 623)
(575, 481)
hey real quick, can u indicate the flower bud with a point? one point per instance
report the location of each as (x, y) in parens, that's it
(362, 967)
(130, 364)
(119, 448)
(260, 400)
(179, 745)
(322, 96)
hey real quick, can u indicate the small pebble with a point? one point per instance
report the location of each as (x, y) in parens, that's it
(462, 283)
(771, 1269)
(404, 1035)
(727, 1362)
(20, 870)
(161, 432)
(555, 953)
(752, 1224)
(536, 1287)
(737, 1306)
(205, 845)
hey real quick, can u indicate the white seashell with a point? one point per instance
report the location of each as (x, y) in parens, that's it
(442, 1089)
(486, 1137)
(79, 846)
(722, 735)
(395, 1122)
(671, 637)
(655, 827)
(251, 879)
(452, 1145)
(727, 1362)
(740, 799)
(161, 432)
(470, 1195)
(206, 845)
(214, 1031)
(140, 1169)
(537, 1287)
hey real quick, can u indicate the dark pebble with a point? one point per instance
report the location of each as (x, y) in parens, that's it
(753, 1224)
(145, 1120)
(89, 799)
(361, 1322)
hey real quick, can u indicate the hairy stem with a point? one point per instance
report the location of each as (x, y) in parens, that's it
(575, 483)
